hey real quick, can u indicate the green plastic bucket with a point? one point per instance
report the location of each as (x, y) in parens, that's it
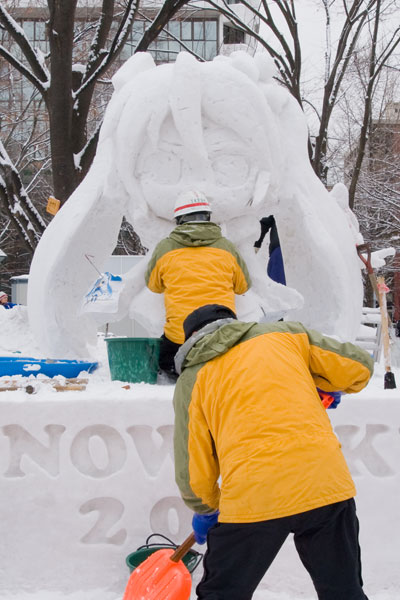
(133, 359)
(133, 560)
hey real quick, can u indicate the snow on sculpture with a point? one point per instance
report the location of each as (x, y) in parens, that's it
(224, 127)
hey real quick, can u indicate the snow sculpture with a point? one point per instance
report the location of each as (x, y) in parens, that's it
(227, 128)
(341, 194)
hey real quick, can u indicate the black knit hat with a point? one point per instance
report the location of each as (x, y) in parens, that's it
(204, 315)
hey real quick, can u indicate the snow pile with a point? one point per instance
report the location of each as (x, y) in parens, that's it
(224, 127)
(16, 334)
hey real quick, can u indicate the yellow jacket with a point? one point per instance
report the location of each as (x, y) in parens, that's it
(194, 266)
(247, 412)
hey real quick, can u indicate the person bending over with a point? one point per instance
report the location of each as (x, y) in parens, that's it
(256, 457)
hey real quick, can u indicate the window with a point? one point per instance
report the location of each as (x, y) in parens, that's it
(198, 35)
(210, 30)
(232, 35)
(162, 51)
(29, 29)
(4, 94)
(137, 31)
(198, 30)
(35, 31)
(210, 50)
(186, 30)
(175, 28)
(126, 51)
(40, 30)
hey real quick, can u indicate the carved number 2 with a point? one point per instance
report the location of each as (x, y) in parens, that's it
(110, 512)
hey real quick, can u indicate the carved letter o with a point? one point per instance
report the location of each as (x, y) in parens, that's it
(82, 457)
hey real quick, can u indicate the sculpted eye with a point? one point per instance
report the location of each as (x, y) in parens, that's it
(162, 167)
(230, 170)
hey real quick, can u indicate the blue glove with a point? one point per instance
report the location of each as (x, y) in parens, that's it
(202, 523)
(337, 396)
(326, 398)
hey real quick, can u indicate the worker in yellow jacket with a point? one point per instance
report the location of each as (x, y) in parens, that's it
(255, 454)
(194, 265)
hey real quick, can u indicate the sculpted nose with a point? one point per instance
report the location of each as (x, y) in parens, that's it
(198, 172)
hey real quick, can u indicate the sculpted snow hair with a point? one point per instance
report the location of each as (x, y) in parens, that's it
(229, 130)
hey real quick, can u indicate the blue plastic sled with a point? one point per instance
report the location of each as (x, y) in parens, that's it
(24, 365)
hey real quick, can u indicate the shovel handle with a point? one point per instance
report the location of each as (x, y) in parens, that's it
(384, 322)
(183, 548)
(367, 261)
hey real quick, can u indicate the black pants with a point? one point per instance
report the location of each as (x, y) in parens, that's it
(168, 350)
(239, 554)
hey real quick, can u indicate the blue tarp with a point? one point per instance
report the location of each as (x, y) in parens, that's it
(25, 365)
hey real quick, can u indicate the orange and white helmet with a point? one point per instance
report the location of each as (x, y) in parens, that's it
(191, 201)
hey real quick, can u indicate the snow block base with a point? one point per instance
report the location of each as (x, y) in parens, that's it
(83, 482)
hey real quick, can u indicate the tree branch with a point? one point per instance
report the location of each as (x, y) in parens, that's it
(97, 49)
(18, 35)
(116, 46)
(86, 156)
(17, 205)
(165, 14)
(23, 70)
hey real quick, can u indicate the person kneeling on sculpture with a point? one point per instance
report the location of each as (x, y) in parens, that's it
(275, 268)
(248, 415)
(194, 265)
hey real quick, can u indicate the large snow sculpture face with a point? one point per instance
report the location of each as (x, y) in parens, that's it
(203, 126)
(228, 172)
(228, 129)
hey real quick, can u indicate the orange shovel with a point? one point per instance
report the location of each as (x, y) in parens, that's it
(162, 576)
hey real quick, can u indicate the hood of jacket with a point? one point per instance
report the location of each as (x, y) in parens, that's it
(198, 233)
(211, 341)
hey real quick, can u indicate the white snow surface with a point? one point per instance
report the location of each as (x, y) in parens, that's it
(224, 127)
(41, 558)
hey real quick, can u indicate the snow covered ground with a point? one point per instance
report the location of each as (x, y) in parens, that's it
(110, 453)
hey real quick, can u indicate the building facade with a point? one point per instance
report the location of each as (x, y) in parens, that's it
(200, 29)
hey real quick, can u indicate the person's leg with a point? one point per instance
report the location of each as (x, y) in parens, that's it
(168, 350)
(327, 542)
(237, 557)
(275, 269)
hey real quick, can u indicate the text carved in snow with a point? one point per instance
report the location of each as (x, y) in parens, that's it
(97, 451)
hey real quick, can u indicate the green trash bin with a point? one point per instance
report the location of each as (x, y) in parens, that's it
(191, 559)
(133, 359)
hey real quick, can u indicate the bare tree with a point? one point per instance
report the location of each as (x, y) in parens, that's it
(54, 101)
(17, 254)
(378, 205)
(282, 41)
(16, 204)
(67, 91)
(377, 194)
(378, 59)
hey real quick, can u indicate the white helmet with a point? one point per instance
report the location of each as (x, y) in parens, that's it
(191, 201)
